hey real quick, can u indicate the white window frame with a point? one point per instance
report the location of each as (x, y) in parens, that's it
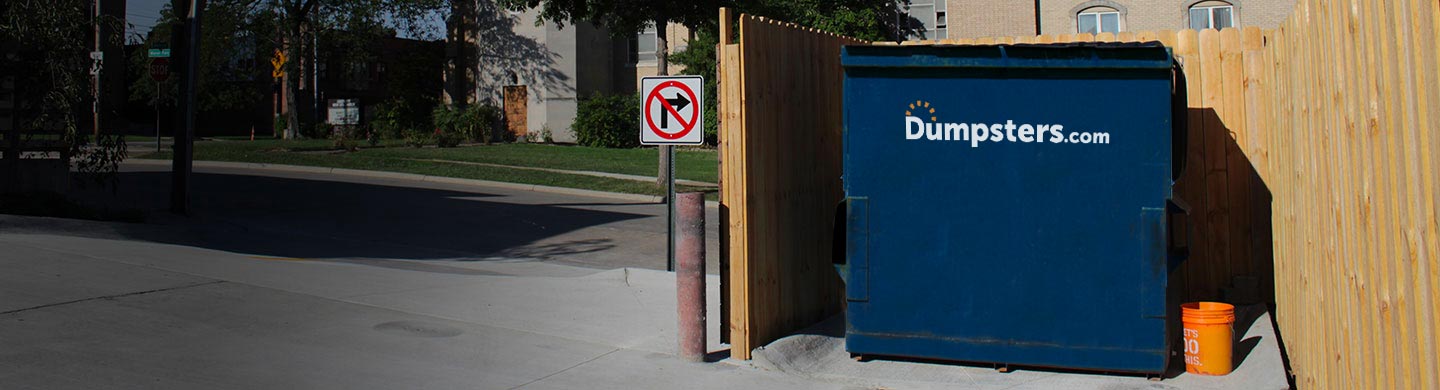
(941, 24)
(1210, 13)
(654, 36)
(1099, 13)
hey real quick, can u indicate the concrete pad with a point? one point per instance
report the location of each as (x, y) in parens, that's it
(629, 369)
(819, 353)
(236, 336)
(623, 308)
(34, 277)
(502, 329)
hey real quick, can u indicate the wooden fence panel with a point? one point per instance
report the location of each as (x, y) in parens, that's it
(781, 123)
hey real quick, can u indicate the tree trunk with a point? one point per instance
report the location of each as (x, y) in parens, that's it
(662, 68)
(293, 52)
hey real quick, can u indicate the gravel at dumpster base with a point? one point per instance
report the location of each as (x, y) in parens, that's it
(819, 353)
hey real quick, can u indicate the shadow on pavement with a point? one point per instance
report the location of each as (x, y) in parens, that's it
(319, 219)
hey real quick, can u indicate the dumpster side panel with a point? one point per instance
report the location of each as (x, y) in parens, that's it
(1026, 250)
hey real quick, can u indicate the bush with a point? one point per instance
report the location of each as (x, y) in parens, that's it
(394, 117)
(415, 138)
(320, 130)
(447, 139)
(280, 124)
(348, 138)
(608, 121)
(475, 123)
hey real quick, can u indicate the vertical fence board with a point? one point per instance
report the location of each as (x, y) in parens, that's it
(1427, 98)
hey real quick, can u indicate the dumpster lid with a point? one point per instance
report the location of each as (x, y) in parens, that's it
(1079, 55)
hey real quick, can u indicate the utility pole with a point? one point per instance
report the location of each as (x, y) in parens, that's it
(187, 34)
(96, 64)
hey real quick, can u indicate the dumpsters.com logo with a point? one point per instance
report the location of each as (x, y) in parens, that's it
(918, 128)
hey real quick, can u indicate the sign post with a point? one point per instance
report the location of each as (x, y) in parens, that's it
(672, 113)
(159, 72)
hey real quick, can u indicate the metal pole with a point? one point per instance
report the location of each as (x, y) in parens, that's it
(670, 211)
(157, 114)
(184, 136)
(690, 275)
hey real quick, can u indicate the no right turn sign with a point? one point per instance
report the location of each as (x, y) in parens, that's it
(672, 110)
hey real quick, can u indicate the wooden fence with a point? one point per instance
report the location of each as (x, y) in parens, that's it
(780, 91)
(1320, 128)
(1346, 94)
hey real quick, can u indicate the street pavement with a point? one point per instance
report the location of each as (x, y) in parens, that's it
(302, 214)
(297, 280)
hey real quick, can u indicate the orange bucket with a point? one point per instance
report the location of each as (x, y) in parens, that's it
(1208, 336)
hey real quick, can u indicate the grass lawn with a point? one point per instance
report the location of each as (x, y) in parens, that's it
(693, 165)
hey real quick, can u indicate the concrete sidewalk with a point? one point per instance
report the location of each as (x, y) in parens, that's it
(819, 353)
(95, 313)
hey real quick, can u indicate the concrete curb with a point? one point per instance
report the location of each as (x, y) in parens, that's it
(411, 176)
(570, 172)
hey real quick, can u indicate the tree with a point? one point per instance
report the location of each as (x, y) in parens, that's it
(871, 20)
(626, 18)
(45, 53)
(299, 20)
(234, 36)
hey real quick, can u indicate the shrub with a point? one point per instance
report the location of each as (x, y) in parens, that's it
(415, 138)
(447, 139)
(320, 130)
(608, 121)
(475, 123)
(484, 121)
(394, 117)
(280, 124)
(348, 138)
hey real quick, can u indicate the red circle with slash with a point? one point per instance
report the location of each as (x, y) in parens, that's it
(687, 125)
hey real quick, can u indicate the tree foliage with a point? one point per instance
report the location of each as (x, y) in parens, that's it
(234, 44)
(298, 21)
(607, 121)
(46, 45)
(620, 17)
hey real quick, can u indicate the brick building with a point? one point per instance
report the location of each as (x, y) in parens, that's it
(942, 19)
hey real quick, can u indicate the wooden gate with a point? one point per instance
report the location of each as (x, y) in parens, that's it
(516, 98)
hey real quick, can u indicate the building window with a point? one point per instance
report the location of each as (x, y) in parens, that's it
(1097, 20)
(645, 44)
(1212, 14)
(927, 19)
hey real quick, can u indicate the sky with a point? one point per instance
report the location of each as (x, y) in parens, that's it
(142, 14)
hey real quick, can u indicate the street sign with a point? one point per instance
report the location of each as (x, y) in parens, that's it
(278, 62)
(159, 69)
(672, 110)
(344, 112)
(159, 53)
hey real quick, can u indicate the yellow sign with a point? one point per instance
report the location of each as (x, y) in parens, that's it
(279, 63)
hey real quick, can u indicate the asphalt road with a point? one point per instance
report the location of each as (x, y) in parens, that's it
(307, 281)
(339, 217)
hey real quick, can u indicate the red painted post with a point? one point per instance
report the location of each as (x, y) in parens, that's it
(690, 273)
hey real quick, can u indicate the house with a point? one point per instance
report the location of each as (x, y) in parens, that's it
(946, 19)
(538, 74)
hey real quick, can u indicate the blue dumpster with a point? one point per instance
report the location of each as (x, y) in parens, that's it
(1012, 204)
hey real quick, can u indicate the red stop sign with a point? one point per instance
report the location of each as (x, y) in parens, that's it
(159, 69)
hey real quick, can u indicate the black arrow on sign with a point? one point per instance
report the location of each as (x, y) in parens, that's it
(678, 103)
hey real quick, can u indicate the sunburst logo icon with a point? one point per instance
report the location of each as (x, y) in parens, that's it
(923, 107)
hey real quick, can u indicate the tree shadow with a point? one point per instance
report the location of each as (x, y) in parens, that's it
(352, 222)
(505, 57)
